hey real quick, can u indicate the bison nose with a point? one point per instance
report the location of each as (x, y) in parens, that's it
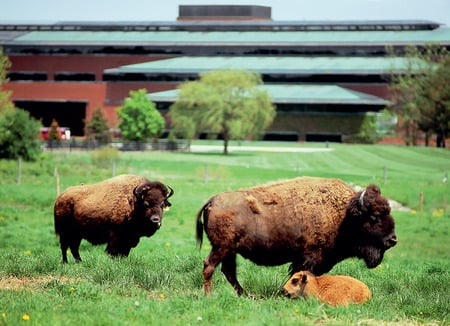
(156, 219)
(392, 241)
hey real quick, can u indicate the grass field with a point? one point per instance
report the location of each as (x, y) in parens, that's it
(160, 283)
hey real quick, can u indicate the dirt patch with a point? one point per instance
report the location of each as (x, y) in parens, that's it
(32, 283)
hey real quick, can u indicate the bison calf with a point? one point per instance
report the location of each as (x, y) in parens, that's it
(312, 223)
(117, 211)
(335, 290)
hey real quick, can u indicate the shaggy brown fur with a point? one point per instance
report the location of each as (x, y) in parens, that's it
(117, 211)
(313, 223)
(335, 290)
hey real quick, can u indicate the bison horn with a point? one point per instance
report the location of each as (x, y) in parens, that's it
(139, 190)
(361, 201)
(170, 192)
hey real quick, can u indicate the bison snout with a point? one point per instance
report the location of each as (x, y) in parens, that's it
(286, 293)
(156, 219)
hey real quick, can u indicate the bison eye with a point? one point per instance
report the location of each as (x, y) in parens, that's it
(295, 281)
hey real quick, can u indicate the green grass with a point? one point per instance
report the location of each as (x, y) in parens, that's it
(160, 282)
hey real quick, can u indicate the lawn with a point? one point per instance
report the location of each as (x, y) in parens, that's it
(160, 282)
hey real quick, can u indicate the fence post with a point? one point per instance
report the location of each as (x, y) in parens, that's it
(421, 201)
(57, 181)
(19, 172)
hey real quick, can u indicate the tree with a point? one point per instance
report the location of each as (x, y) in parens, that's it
(19, 132)
(226, 102)
(421, 95)
(140, 118)
(19, 135)
(97, 128)
(434, 102)
(5, 102)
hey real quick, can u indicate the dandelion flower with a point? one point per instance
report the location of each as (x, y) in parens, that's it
(26, 317)
(72, 289)
(27, 252)
(3, 314)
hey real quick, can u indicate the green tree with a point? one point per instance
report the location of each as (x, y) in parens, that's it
(140, 118)
(97, 128)
(434, 102)
(421, 93)
(19, 135)
(226, 102)
(5, 102)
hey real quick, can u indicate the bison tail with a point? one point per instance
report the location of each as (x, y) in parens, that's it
(199, 226)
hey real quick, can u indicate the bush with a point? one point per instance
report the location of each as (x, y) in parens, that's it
(19, 135)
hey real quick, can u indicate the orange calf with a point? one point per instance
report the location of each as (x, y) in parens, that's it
(335, 290)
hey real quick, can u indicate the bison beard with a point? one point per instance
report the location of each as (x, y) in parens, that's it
(117, 211)
(312, 223)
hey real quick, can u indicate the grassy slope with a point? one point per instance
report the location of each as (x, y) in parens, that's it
(161, 281)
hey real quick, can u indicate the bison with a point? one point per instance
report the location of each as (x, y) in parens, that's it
(312, 223)
(116, 211)
(335, 290)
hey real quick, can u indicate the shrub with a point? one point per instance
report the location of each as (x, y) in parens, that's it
(19, 135)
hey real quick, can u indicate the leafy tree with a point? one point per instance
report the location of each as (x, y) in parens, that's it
(19, 132)
(226, 102)
(5, 102)
(421, 94)
(434, 102)
(97, 128)
(53, 133)
(19, 135)
(140, 118)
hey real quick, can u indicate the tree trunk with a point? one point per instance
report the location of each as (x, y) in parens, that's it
(225, 146)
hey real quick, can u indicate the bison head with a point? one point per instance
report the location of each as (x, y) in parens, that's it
(151, 200)
(368, 229)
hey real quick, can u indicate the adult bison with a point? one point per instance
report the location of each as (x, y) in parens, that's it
(117, 211)
(312, 223)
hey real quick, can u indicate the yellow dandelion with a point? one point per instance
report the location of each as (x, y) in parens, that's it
(27, 252)
(167, 244)
(421, 313)
(26, 317)
(162, 296)
(3, 314)
(413, 212)
(72, 289)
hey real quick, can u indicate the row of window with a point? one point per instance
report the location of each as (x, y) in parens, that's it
(136, 77)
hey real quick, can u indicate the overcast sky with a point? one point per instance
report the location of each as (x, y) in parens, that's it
(48, 11)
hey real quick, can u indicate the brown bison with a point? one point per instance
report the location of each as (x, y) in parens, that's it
(312, 223)
(117, 211)
(335, 290)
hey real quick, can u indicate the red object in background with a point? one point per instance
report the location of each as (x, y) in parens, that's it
(63, 133)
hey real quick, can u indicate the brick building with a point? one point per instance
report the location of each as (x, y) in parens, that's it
(323, 76)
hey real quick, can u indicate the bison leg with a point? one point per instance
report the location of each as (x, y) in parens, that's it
(73, 243)
(216, 256)
(74, 247)
(116, 250)
(229, 270)
(64, 247)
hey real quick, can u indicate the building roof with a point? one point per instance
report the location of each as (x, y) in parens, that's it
(268, 65)
(298, 94)
(232, 38)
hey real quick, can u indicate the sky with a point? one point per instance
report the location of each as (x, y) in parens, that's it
(50, 11)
